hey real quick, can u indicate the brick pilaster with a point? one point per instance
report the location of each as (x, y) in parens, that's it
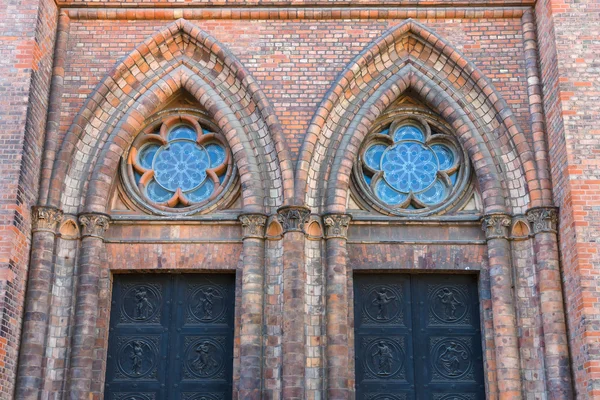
(556, 351)
(93, 227)
(336, 231)
(508, 365)
(37, 305)
(293, 220)
(251, 336)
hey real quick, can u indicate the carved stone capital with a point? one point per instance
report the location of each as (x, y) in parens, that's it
(496, 226)
(253, 225)
(93, 224)
(293, 218)
(336, 225)
(46, 219)
(543, 219)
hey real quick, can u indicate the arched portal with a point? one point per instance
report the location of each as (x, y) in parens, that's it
(180, 77)
(410, 61)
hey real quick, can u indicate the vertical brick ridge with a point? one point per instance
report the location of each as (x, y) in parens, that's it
(251, 337)
(536, 107)
(36, 317)
(94, 225)
(52, 140)
(557, 367)
(293, 220)
(336, 291)
(508, 364)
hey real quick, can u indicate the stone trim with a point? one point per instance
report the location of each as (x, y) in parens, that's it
(301, 11)
(293, 218)
(45, 219)
(94, 224)
(253, 225)
(336, 225)
(543, 219)
(496, 226)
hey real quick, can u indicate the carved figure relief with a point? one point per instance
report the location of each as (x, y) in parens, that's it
(451, 359)
(448, 305)
(141, 303)
(137, 358)
(204, 358)
(206, 304)
(383, 357)
(383, 304)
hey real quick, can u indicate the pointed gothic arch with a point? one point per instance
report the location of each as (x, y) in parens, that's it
(180, 55)
(410, 56)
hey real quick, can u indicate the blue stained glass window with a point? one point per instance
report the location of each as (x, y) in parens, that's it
(157, 193)
(411, 168)
(408, 132)
(386, 193)
(182, 132)
(373, 156)
(444, 155)
(216, 154)
(146, 155)
(180, 166)
(202, 193)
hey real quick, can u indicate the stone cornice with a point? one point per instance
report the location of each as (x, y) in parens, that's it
(543, 219)
(293, 218)
(46, 218)
(496, 226)
(93, 224)
(336, 225)
(253, 225)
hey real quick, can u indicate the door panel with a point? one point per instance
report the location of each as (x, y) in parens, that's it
(429, 321)
(383, 337)
(171, 337)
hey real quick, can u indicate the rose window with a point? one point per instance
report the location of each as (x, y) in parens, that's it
(179, 164)
(405, 165)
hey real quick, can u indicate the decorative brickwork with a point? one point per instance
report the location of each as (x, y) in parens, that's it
(298, 89)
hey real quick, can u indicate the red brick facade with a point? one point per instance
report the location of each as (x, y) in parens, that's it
(295, 87)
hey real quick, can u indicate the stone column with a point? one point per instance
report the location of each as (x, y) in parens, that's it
(336, 292)
(93, 227)
(251, 337)
(293, 220)
(556, 358)
(496, 227)
(37, 303)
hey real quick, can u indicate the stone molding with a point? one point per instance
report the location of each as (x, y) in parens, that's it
(336, 225)
(496, 226)
(46, 218)
(293, 218)
(94, 224)
(253, 225)
(543, 219)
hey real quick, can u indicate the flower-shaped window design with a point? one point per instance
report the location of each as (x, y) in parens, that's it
(179, 164)
(406, 166)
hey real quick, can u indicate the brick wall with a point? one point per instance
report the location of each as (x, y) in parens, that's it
(296, 53)
(568, 32)
(27, 36)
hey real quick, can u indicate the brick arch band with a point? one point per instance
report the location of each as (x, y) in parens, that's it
(179, 56)
(512, 176)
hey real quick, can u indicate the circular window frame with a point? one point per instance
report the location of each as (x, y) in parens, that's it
(156, 130)
(436, 131)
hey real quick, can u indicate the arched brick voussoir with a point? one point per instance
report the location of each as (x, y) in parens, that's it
(412, 43)
(409, 78)
(121, 137)
(178, 46)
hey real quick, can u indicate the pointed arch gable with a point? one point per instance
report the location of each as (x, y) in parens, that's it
(503, 154)
(180, 55)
